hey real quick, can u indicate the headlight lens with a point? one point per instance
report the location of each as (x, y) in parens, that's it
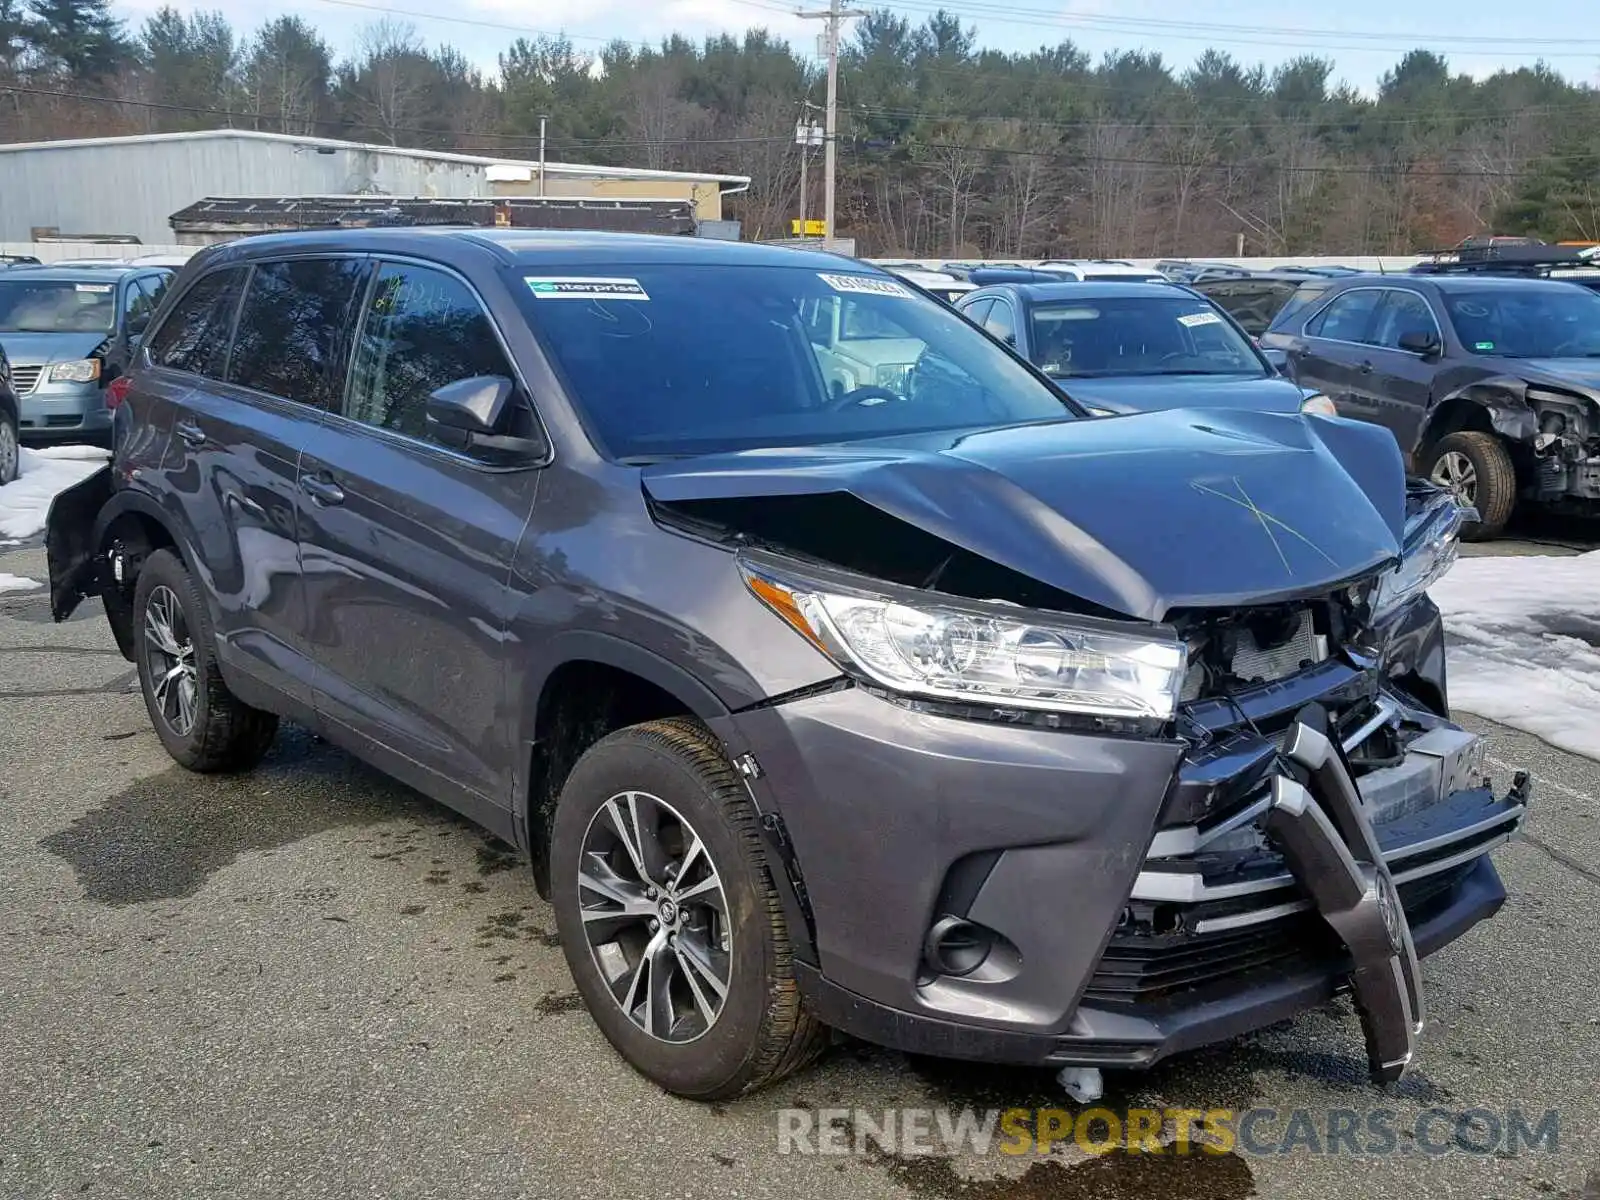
(942, 647)
(85, 370)
(1319, 405)
(1432, 545)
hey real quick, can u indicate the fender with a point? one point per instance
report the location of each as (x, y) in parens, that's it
(1503, 398)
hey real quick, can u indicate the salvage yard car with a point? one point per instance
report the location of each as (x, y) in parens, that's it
(10, 454)
(1135, 347)
(927, 711)
(1490, 384)
(69, 330)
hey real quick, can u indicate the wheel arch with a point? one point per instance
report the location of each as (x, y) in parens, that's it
(130, 527)
(1498, 406)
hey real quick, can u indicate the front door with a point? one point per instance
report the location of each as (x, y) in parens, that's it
(1401, 381)
(406, 546)
(1334, 356)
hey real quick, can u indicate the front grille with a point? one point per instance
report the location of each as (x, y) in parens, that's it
(25, 379)
(1145, 968)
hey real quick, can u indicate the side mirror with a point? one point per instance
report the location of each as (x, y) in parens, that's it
(469, 413)
(1419, 341)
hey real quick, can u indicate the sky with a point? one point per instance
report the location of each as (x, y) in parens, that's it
(1363, 37)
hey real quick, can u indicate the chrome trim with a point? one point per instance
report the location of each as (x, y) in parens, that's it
(1388, 709)
(1256, 917)
(1509, 817)
(1455, 860)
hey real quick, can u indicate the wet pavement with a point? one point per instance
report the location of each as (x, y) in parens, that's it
(308, 981)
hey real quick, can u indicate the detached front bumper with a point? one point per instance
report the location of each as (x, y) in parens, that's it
(1128, 913)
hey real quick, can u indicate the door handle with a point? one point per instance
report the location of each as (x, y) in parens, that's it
(191, 433)
(321, 489)
(1366, 368)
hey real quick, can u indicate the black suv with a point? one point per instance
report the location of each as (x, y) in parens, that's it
(1490, 384)
(10, 424)
(820, 688)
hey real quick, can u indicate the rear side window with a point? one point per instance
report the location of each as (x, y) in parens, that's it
(1001, 322)
(294, 326)
(1296, 305)
(978, 311)
(424, 329)
(194, 337)
(1348, 318)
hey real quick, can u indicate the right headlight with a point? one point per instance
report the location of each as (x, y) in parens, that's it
(83, 370)
(1433, 542)
(946, 648)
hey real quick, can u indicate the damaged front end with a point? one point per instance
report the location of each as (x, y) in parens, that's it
(1126, 806)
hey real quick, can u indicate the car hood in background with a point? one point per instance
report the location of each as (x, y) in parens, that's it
(1149, 393)
(1139, 515)
(1557, 372)
(40, 349)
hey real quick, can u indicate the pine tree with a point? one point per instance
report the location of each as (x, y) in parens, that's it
(78, 37)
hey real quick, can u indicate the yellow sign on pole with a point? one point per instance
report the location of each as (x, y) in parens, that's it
(812, 228)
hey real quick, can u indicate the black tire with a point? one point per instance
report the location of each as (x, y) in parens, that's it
(761, 1032)
(10, 449)
(1492, 489)
(222, 733)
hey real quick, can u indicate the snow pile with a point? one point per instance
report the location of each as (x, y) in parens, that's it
(1524, 644)
(16, 583)
(25, 502)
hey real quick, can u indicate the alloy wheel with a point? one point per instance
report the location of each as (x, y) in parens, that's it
(655, 916)
(8, 451)
(170, 657)
(1455, 472)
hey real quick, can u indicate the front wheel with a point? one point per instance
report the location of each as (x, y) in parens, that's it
(1475, 467)
(669, 918)
(200, 722)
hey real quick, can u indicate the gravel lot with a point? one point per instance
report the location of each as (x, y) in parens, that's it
(310, 982)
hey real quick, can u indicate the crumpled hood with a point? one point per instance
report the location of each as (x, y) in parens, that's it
(1143, 514)
(1558, 372)
(39, 349)
(1147, 393)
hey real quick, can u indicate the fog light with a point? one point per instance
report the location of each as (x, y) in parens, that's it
(956, 947)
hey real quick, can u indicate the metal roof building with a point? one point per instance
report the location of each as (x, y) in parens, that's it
(132, 186)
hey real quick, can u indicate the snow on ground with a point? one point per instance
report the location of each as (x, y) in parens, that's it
(1524, 644)
(25, 502)
(16, 583)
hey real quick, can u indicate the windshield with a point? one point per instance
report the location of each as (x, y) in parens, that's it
(1545, 322)
(51, 306)
(679, 360)
(1138, 335)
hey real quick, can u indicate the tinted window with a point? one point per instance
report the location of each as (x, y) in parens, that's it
(194, 337)
(425, 329)
(978, 311)
(1178, 334)
(1001, 322)
(1252, 303)
(696, 358)
(1403, 313)
(293, 327)
(1307, 295)
(139, 302)
(1348, 318)
(1527, 322)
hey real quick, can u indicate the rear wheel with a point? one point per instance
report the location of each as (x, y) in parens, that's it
(669, 917)
(1475, 468)
(200, 722)
(10, 454)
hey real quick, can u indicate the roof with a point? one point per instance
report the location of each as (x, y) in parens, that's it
(68, 272)
(1471, 282)
(586, 170)
(260, 213)
(556, 247)
(1090, 289)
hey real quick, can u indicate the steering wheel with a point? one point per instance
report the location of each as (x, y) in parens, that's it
(861, 395)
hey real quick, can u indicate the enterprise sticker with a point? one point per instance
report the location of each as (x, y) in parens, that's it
(866, 285)
(1191, 320)
(583, 287)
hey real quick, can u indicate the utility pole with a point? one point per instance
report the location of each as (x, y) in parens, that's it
(834, 16)
(806, 134)
(542, 120)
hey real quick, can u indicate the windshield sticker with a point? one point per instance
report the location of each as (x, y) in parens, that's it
(1482, 346)
(98, 289)
(865, 285)
(1193, 320)
(580, 287)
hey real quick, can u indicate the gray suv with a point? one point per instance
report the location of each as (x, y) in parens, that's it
(893, 699)
(69, 331)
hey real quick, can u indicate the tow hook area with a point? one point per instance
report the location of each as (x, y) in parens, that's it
(1328, 843)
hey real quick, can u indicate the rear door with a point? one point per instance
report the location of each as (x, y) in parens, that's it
(236, 435)
(407, 546)
(1331, 355)
(1400, 383)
